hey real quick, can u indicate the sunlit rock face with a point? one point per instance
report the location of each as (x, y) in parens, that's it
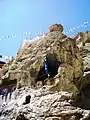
(65, 64)
(56, 27)
(62, 96)
(43, 105)
(83, 43)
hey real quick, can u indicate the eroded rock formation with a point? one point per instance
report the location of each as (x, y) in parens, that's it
(44, 105)
(83, 42)
(64, 62)
(50, 98)
(56, 27)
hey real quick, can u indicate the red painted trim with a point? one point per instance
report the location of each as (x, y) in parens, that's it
(1, 65)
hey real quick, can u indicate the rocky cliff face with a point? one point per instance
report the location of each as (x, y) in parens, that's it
(64, 62)
(83, 42)
(43, 105)
(68, 75)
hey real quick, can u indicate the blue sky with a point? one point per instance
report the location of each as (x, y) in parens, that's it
(18, 16)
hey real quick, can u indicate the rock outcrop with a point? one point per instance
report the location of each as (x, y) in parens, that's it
(44, 105)
(83, 43)
(56, 27)
(64, 62)
(53, 98)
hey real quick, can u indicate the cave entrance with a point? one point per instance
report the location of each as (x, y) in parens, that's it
(53, 65)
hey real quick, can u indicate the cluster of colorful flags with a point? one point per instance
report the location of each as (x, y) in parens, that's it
(84, 25)
(14, 35)
(6, 58)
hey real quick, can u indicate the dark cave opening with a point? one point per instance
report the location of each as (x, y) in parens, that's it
(86, 97)
(53, 65)
(27, 99)
(84, 101)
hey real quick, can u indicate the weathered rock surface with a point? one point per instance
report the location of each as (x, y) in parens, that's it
(44, 105)
(83, 42)
(56, 27)
(51, 98)
(64, 62)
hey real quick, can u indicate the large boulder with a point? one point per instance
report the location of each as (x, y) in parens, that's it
(64, 62)
(56, 27)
